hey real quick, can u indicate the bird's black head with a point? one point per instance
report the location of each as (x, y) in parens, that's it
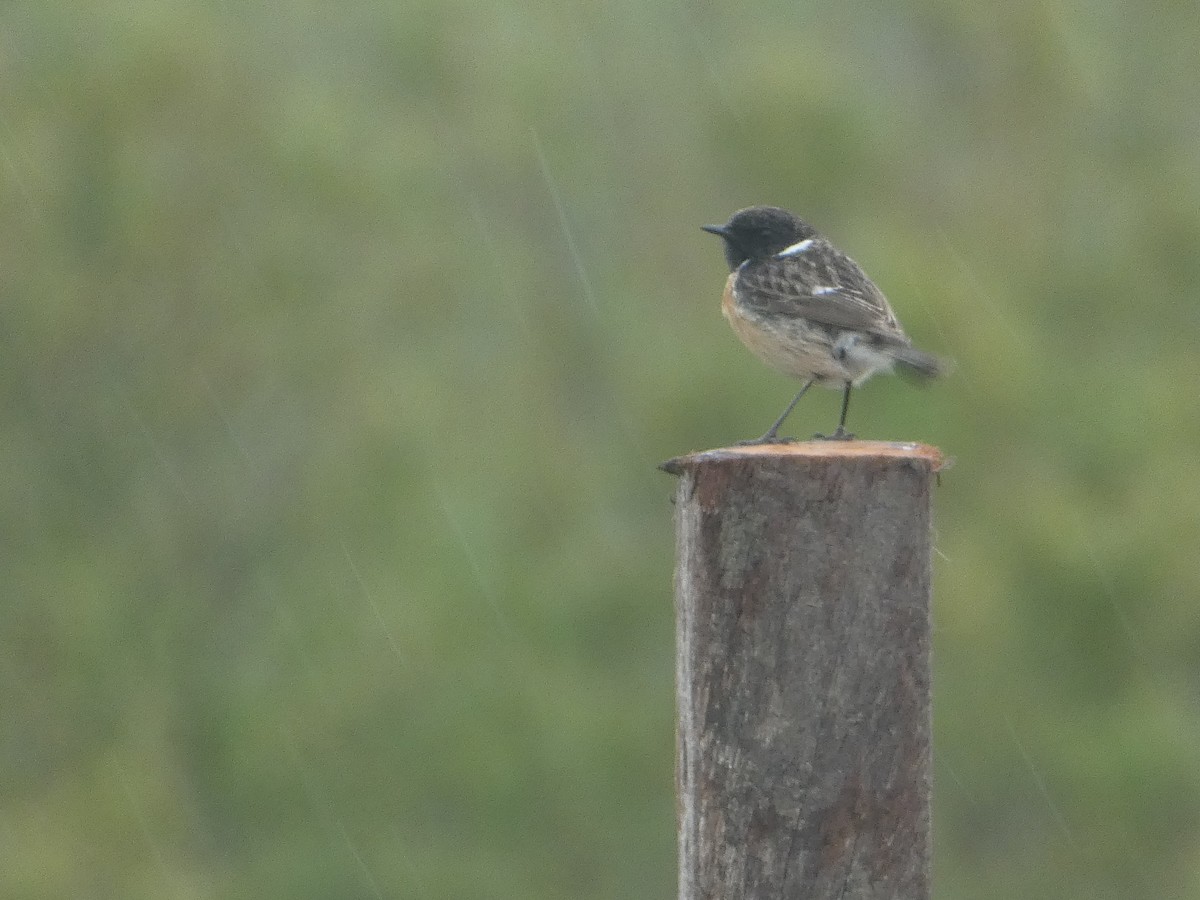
(758, 232)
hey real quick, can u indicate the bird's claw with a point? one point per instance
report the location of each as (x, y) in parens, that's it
(767, 438)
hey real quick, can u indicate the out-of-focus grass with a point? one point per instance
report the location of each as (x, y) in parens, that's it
(341, 343)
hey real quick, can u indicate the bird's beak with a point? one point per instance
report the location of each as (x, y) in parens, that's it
(715, 229)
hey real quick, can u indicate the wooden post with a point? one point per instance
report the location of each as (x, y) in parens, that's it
(803, 631)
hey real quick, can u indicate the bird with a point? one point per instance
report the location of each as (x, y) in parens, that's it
(808, 310)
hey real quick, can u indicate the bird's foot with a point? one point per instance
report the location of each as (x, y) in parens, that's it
(840, 435)
(769, 438)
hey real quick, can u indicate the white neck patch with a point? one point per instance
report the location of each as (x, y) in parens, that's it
(796, 248)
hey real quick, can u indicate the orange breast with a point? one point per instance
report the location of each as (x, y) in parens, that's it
(727, 305)
(761, 340)
(785, 345)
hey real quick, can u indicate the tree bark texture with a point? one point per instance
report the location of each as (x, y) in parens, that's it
(803, 671)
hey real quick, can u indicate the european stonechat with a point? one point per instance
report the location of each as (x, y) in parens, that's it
(807, 309)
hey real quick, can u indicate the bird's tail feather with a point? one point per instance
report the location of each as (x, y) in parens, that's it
(920, 364)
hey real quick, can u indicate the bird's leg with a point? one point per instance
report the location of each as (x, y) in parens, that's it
(772, 435)
(841, 434)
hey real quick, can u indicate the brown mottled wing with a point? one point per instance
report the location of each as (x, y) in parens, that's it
(820, 284)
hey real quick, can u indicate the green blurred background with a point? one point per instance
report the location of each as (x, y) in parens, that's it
(340, 343)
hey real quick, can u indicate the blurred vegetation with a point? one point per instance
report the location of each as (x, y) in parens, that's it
(340, 342)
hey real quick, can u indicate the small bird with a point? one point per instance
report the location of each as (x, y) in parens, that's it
(806, 309)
